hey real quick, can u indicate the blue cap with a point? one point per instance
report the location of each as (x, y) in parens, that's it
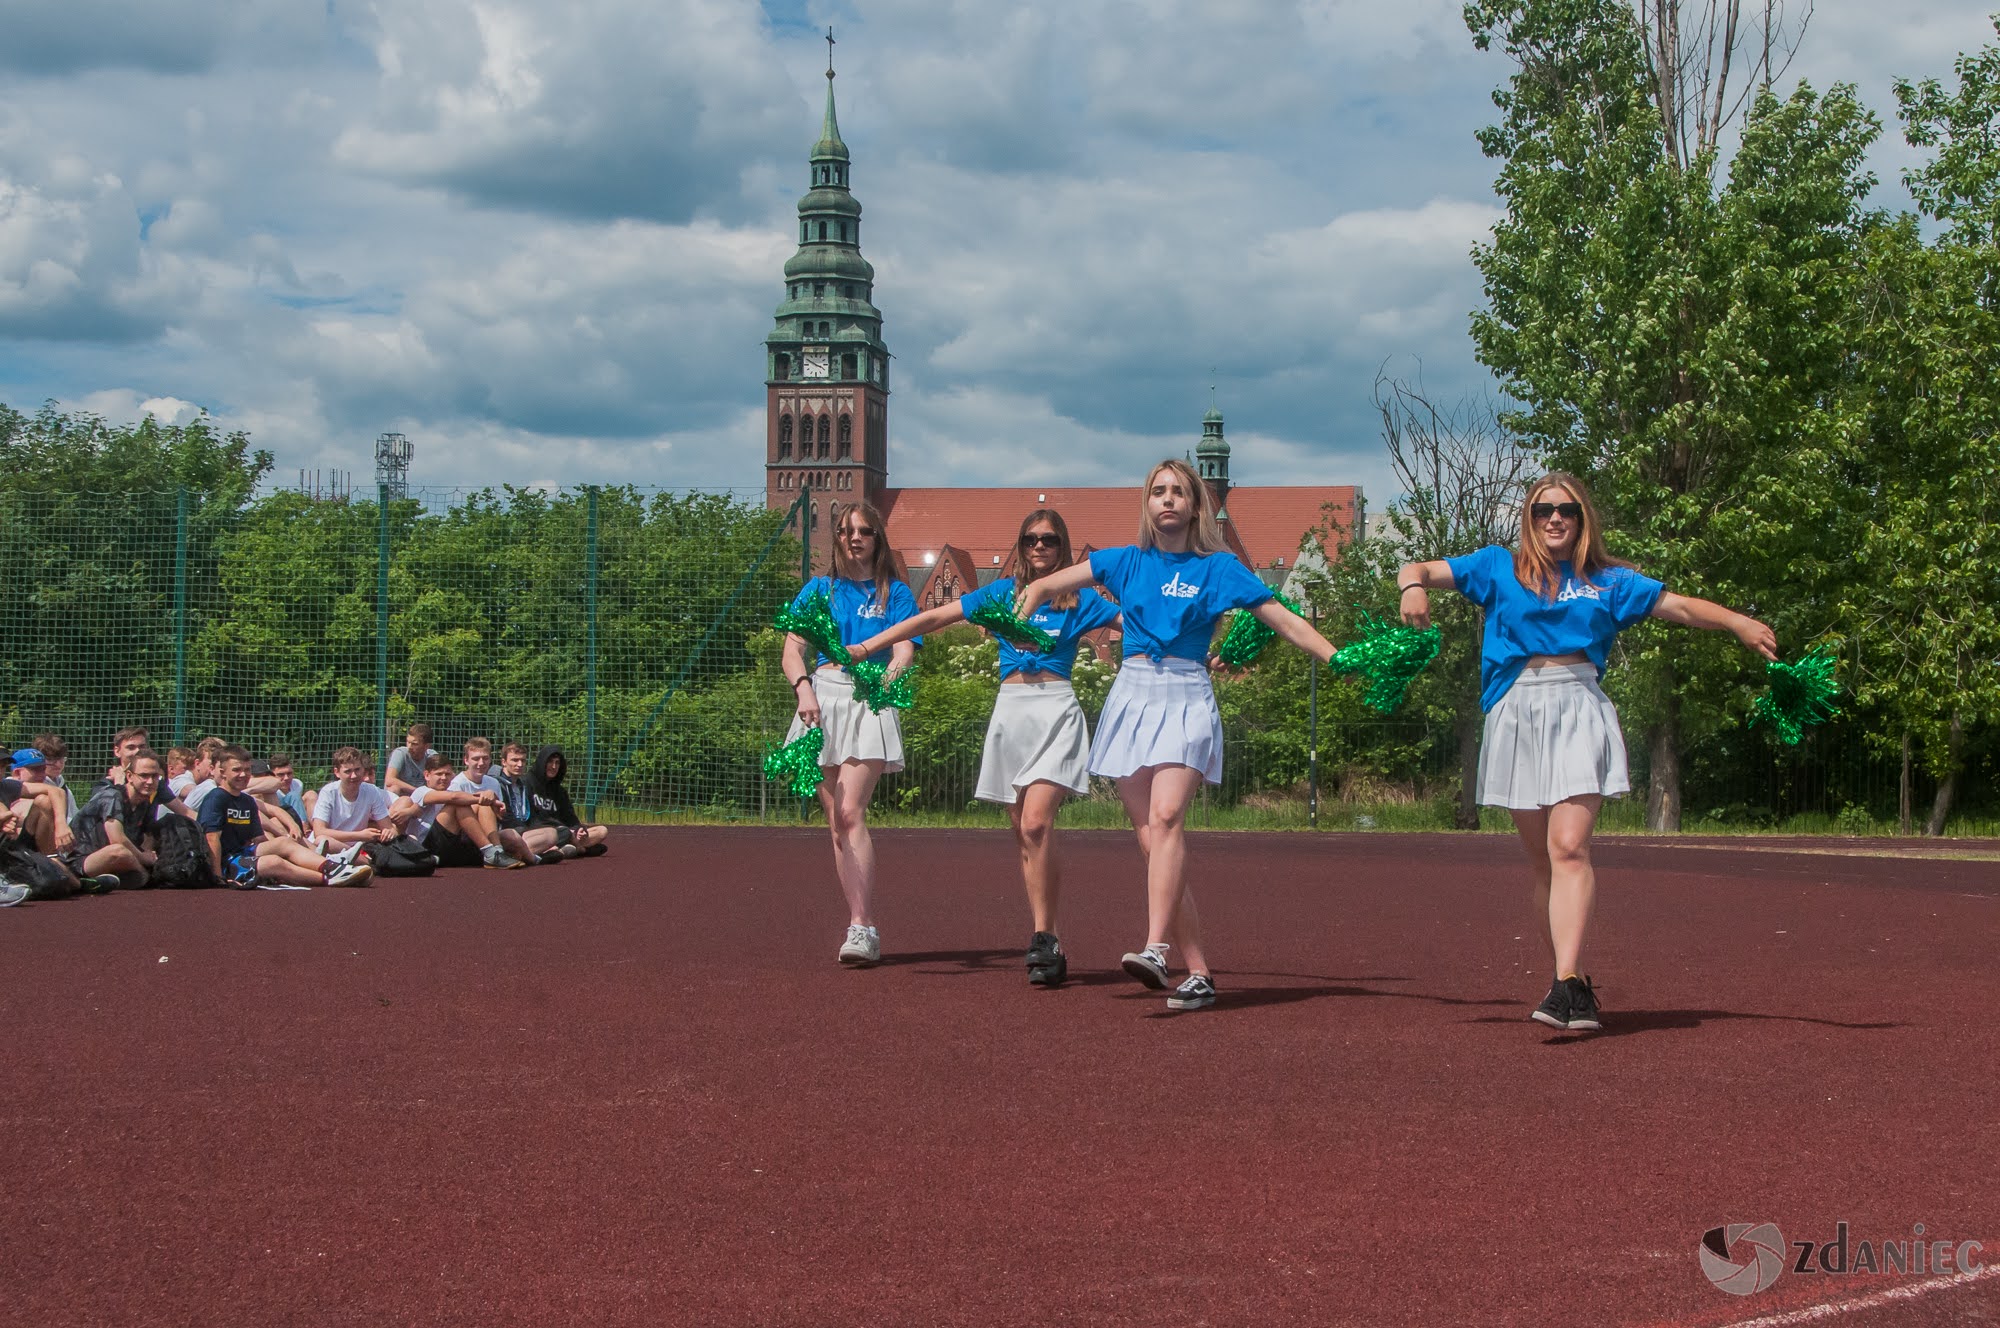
(29, 756)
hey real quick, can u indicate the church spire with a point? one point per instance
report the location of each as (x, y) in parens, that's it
(1211, 457)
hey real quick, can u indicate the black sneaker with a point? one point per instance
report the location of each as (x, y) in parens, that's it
(1554, 1009)
(1582, 1005)
(100, 885)
(1196, 993)
(1048, 966)
(550, 858)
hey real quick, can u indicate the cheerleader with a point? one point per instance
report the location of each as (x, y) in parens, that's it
(1160, 734)
(860, 744)
(1553, 751)
(1037, 743)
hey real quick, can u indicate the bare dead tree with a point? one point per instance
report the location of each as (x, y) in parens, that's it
(1461, 474)
(1695, 52)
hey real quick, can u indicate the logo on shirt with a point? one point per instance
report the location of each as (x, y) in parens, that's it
(1577, 590)
(1179, 589)
(870, 610)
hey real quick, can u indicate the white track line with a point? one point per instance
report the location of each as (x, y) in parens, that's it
(1908, 1291)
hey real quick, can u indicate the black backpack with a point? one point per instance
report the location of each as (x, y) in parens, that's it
(182, 852)
(22, 865)
(404, 855)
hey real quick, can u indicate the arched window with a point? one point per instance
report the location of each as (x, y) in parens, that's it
(822, 230)
(846, 433)
(825, 433)
(803, 236)
(784, 436)
(843, 232)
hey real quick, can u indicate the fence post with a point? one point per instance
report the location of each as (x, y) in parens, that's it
(382, 628)
(1312, 739)
(590, 654)
(180, 614)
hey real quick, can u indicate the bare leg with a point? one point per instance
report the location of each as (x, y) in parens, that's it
(118, 860)
(844, 796)
(1572, 881)
(1034, 818)
(1157, 799)
(1533, 828)
(291, 862)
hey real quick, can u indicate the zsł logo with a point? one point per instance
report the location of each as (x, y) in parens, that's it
(1743, 1258)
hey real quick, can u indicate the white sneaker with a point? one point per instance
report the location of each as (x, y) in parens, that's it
(1148, 966)
(863, 946)
(352, 873)
(12, 894)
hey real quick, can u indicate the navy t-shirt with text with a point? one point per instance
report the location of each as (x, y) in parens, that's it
(234, 817)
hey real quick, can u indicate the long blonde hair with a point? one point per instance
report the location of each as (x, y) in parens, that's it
(1533, 566)
(1204, 532)
(881, 568)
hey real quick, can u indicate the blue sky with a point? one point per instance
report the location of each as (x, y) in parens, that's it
(544, 240)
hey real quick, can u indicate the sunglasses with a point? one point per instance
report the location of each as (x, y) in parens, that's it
(1041, 541)
(1568, 511)
(861, 530)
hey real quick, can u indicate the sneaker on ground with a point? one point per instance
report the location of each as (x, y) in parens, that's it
(12, 894)
(1196, 993)
(350, 873)
(862, 946)
(1048, 966)
(1148, 966)
(571, 851)
(505, 862)
(550, 858)
(1554, 1009)
(1582, 1005)
(100, 885)
(1043, 947)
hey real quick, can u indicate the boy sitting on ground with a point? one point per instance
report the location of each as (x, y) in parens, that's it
(125, 744)
(271, 810)
(114, 828)
(406, 764)
(478, 778)
(544, 841)
(42, 806)
(448, 823)
(243, 854)
(56, 752)
(549, 804)
(291, 793)
(349, 810)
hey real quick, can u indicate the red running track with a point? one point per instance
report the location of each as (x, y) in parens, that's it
(638, 1090)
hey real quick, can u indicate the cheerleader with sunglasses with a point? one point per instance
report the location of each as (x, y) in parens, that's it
(1553, 750)
(1160, 734)
(860, 745)
(1037, 743)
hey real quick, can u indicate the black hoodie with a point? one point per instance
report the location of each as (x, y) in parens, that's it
(548, 800)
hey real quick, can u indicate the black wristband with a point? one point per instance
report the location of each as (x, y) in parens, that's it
(802, 678)
(1414, 585)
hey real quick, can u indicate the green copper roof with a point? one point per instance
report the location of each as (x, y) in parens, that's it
(829, 147)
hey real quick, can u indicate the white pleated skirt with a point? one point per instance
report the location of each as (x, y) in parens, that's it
(1554, 735)
(1037, 735)
(1160, 712)
(853, 731)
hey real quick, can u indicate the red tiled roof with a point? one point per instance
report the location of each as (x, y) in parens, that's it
(1267, 522)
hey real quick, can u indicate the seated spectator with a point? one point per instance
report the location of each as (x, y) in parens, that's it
(271, 810)
(541, 840)
(478, 778)
(447, 821)
(56, 751)
(549, 805)
(291, 793)
(178, 761)
(199, 779)
(114, 827)
(43, 806)
(350, 810)
(57, 882)
(125, 744)
(244, 854)
(406, 763)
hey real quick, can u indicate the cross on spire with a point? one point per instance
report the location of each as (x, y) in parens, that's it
(829, 51)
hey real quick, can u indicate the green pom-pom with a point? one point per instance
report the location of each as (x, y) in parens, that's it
(896, 693)
(1390, 655)
(1001, 620)
(796, 764)
(1800, 695)
(814, 622)
(1246, 638)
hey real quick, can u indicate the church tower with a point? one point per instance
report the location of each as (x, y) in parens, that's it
(1211, 460)
(827, 371)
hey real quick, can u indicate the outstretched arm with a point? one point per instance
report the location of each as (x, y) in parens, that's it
(1414, 582)
(1688, 611)
(944, 615)
(1032, 596)
(1293, 629)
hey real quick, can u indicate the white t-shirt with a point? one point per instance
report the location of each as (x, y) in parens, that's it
(428, 813)
(192, 797)
(178, 784)
(371, 804)
(463, 783)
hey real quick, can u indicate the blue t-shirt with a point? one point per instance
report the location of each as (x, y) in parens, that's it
(1092, 611)
(1171, 600)
(1585, 617)
(231, 815)
(855, 611)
